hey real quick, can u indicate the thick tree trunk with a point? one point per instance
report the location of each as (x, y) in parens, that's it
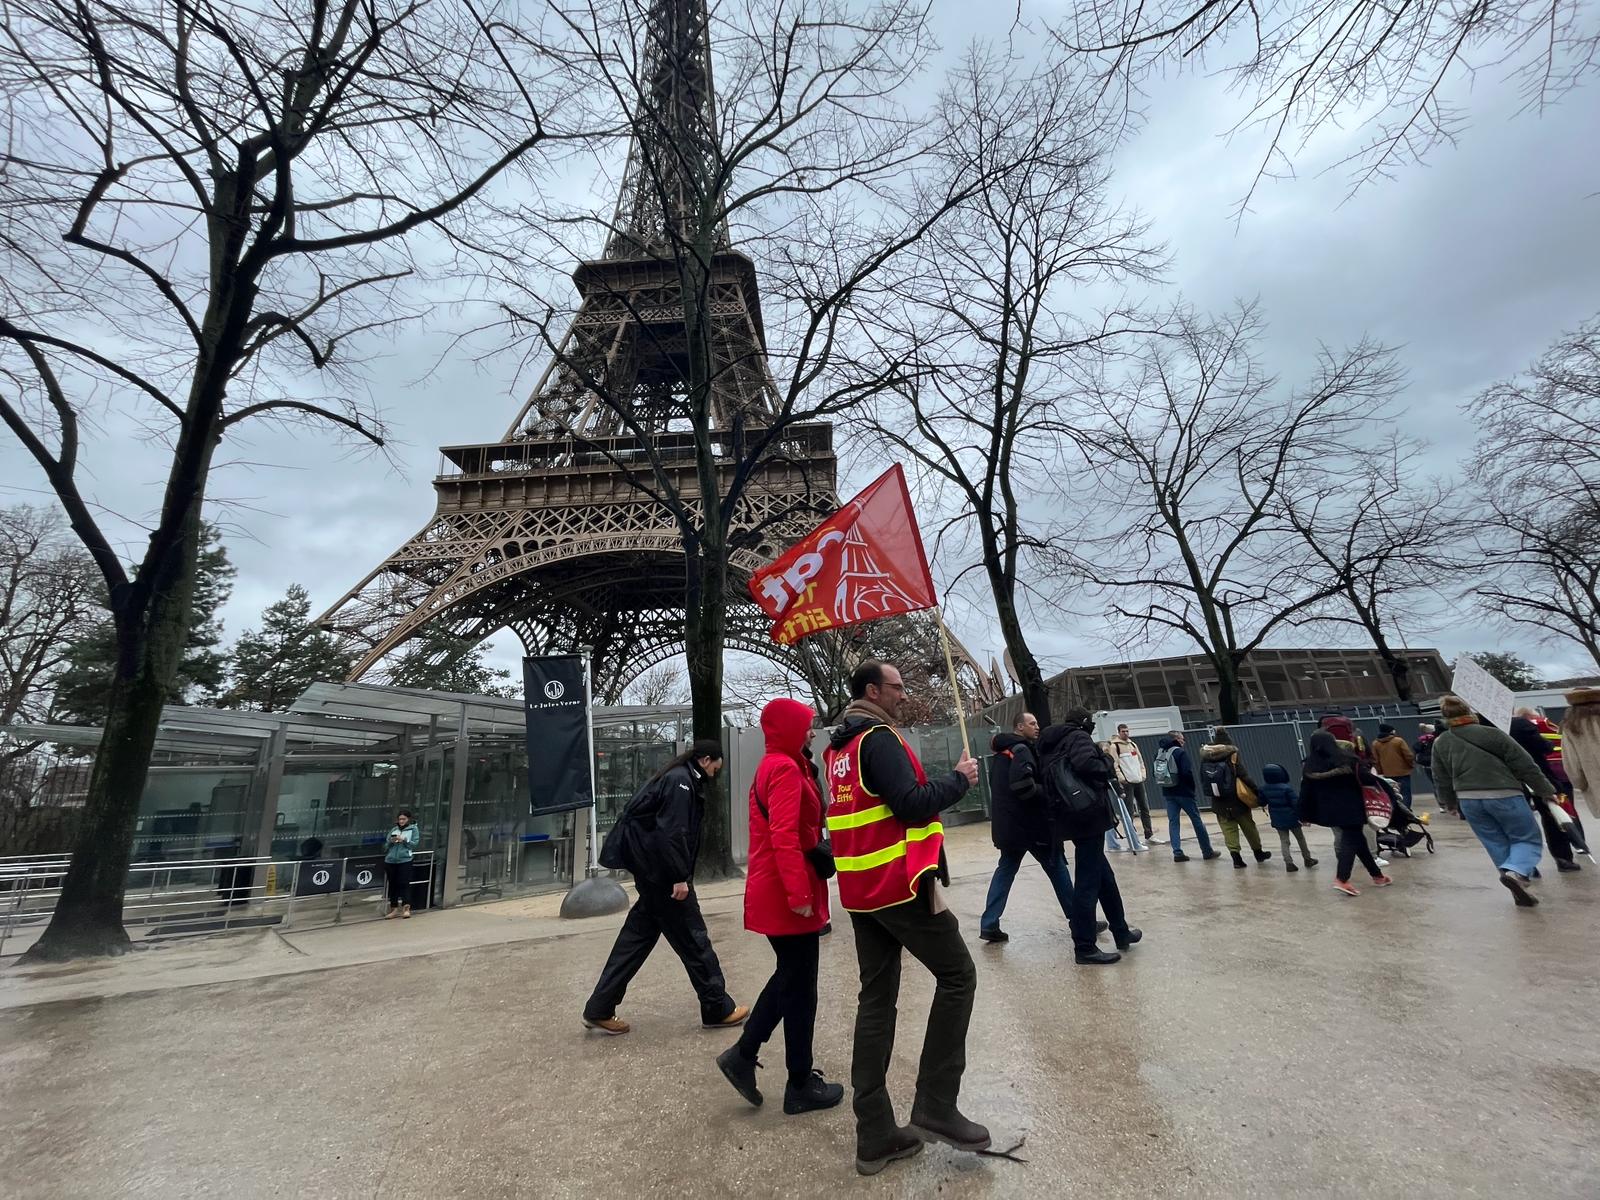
(704, 630)
(88, 916)
(1034, 693)
(1228, 693)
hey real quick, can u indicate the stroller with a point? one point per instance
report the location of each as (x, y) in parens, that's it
(1404, 828)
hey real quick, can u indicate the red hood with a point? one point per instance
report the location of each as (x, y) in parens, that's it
(787, 724)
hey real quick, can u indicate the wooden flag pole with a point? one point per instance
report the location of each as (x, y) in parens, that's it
(955, 688)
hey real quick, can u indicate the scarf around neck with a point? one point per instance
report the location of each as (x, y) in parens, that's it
(866, 708)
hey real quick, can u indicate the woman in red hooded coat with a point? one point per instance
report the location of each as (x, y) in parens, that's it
(785, 899)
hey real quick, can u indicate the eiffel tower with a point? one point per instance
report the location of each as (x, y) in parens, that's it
(544, 532)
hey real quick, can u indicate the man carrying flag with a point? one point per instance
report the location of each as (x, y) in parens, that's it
(888, 845)
(865, 563)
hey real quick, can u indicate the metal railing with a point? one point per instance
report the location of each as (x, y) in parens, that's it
(207, 895)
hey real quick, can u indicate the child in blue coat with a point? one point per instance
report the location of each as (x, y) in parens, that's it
(1283, 806)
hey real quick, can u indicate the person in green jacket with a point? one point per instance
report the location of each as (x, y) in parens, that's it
(401, 844)
(1480, 768)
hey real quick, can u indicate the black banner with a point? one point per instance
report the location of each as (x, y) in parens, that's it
(560, 769)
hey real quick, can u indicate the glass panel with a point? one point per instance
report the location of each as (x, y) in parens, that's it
(189, 814)
(332, 809)
(504, 851)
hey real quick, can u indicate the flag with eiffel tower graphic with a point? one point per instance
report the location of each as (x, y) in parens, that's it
(864, 563)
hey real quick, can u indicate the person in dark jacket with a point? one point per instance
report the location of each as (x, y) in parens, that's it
(1020, 824)
(1283, 807)
(1526, 734)
(884, 820)
(1221, 761)
(1331, 780)
(1073, 741)
(664, 842)
(1179, 795)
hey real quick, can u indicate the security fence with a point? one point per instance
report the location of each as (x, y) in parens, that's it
(214, 895)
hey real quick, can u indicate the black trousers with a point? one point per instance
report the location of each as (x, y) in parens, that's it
(1095, 884)
(934, 940)
(1555, 837)
(1351, 843)
(655, 915)
(790, 998)
(398, 877)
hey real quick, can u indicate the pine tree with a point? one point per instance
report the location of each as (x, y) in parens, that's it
(438, 661)
(82, 686)
(273, 665)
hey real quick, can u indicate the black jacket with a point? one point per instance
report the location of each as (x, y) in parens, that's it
(886, 770)
(1334, 798)
(1092, 766)
(1018, 820)
(1182, 769)
(657, 838)
(1526, 734)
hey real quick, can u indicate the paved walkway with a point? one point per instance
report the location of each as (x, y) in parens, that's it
(1270, 1039)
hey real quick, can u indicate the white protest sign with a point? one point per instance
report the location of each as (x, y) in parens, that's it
(1488, 696)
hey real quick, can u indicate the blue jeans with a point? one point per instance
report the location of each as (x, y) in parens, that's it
(1054, 863)
(1506, 827)
(1405, 789)
(1187, 804)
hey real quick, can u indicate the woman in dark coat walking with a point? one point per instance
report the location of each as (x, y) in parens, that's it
(1073, 741)
(1330, 794)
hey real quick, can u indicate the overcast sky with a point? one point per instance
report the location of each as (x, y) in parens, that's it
(1471, 263)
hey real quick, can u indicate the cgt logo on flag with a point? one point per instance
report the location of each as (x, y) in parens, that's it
(864, 563)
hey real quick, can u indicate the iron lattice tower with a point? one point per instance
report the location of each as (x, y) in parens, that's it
(544, 532)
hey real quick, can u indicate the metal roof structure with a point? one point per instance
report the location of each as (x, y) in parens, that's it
(339, 718)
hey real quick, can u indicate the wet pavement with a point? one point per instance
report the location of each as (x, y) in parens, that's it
(1270, 1038)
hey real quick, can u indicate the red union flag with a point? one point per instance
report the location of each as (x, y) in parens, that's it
(863, 563)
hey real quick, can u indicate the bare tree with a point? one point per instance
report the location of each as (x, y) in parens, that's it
(802, 158)
(1537, 475)
(1308, 65)
(661, 685)
(1392, 545)
(987, 302)
(1195, 459)
(206, 203)
(50, 595)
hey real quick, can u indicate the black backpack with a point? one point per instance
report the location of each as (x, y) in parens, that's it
(623, 848)
(1222, 782)
(1067, 797)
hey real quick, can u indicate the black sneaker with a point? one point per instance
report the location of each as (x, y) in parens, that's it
(1180, 856)
(1311, 862)
(1517, 885)
(1238, 860)
(1263, 855)
(1210, 854)
(1288, 865)
(1100, 927)
(1134, 937)
(875, 1156)
(814, 1095)
(1567, 864)
(951, 1128)
(741, 1072)
(1095, 958)
(994, 935)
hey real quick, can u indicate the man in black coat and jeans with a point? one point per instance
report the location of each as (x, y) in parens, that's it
(1019, 824)
(1073, 742)
(658, 838)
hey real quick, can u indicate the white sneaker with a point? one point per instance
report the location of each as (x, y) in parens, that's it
(1117, 848)
(1157, 840)
(1382, 862)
